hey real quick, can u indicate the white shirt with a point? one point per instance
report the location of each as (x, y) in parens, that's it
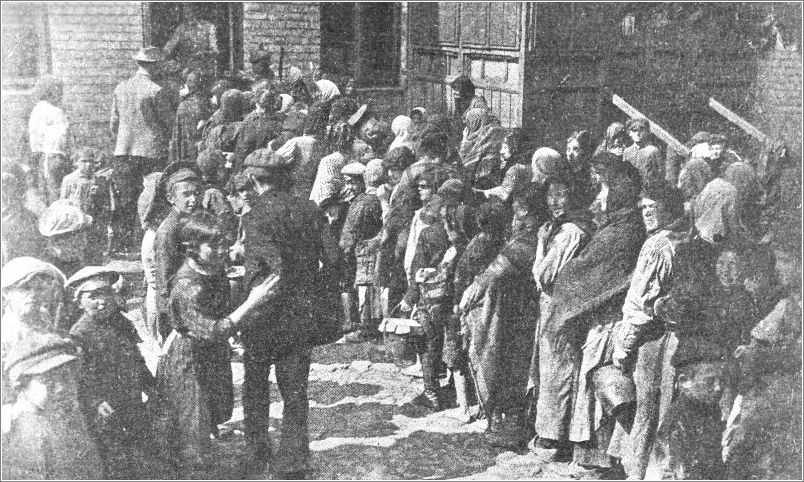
(48, 129)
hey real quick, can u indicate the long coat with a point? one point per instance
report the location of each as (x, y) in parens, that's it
(141, 118)
(588, 292)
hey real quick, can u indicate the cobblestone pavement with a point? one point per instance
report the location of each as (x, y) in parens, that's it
(364, 426)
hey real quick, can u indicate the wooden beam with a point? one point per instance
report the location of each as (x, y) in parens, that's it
(735, 119)
(655, 128)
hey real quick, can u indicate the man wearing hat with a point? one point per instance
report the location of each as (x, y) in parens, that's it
(141, 119)
(113, 373)
(180, 186)
(359, 246)
(284, 235)
(643, 155)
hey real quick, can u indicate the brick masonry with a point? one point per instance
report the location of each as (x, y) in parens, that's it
(91, 45)
(294, 26)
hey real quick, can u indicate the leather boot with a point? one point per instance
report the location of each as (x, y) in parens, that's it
(430, 380)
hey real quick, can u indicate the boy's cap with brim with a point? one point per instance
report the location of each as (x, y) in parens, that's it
(178, 172)
(90, 278)
(354, 169)
(20, 270)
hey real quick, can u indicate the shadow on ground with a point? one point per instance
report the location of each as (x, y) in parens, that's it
(422, 455)
(373, 351)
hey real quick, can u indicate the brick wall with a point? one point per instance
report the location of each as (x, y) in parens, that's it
(294, 26)
(778, 97)
(91, 45)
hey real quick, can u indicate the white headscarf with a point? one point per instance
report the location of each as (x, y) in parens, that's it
(328, 89)
(401, 129)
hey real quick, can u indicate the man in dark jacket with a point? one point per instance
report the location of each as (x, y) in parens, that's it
(284, 235)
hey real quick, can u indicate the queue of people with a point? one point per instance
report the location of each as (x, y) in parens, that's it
(586, 307)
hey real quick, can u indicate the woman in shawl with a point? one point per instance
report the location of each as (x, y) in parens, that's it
(328, 177)
(401, 127)
(560, 239)
(480, 149)
(498, 311)
(193, 111)
(742, 176)
(223, 128)
(515, 163)
(586, 299)
(327, 93)
(579, 156)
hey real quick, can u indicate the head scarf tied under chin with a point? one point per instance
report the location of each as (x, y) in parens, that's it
(327, 89)
(401, 128)
(475, 119)
(286, 101)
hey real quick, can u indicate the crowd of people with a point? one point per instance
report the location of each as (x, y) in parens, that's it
(586, 300)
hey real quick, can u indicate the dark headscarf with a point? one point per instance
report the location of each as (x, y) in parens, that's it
(232, 106)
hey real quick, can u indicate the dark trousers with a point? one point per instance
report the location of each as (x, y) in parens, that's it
(292, 373)
(128, 173)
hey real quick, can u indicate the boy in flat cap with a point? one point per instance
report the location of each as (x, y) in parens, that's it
(113, 374)
(44, 435)
(359, 244)
(180, 185)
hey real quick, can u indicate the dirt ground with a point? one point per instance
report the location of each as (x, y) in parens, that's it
(363, 425)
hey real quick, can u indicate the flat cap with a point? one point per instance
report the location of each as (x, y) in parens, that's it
(90, 278)
(355, 169)
(178, 172)
(20, 270)
(62, 217)
(265, 158)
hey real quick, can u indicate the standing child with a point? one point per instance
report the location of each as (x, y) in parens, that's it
(179, 185)
(194, 375)
(44, 434)
(359, 246)
(93, 196)
(113, 375)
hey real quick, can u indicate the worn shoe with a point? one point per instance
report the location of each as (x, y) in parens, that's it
(511, 433)
(428, 400)
(547, 450)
